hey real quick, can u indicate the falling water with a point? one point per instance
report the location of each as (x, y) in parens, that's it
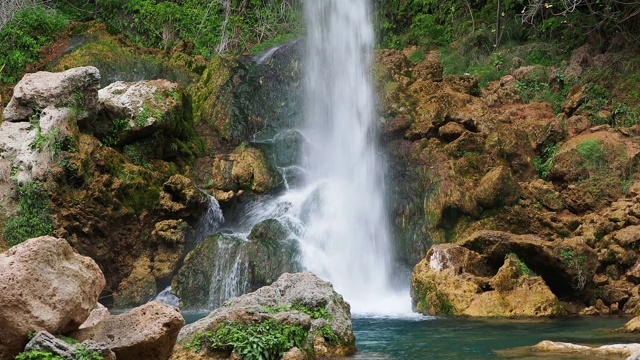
(347, 239)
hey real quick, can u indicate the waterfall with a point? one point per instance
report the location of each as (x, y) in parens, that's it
(347, 240)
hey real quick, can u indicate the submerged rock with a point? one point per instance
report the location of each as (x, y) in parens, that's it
(45, 286)
(302, 303)
(146, 332)
(561, 348)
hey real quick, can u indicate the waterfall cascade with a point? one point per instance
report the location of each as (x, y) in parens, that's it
(335, 211)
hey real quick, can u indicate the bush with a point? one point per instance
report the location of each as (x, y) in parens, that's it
(21, 38)
(34, 214)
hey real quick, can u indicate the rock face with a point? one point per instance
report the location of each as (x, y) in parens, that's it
(54, 102)
(629, 351)
(300, 300)
(455, 280)
(146, 332)
(259, 260)
(46, 286)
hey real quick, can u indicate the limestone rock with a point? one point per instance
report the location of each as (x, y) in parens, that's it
(146, 332)
(98, 314)
(497, 187)
(428, 69)
(607, 351)
(44, 341)
(456, 280)
(451, 131)
(75, 88)
(129, 112)
(632, 326)
(301, 289)
(268, 253)
(46, 286)
(245, 169)
(138, 288)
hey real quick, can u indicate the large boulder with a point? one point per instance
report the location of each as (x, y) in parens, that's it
(75, 88)
(41, 118)
(245, 169)
(224, 266)
(131, 111)
(455, 280)
(45, 286)
(307, 308)
(146, 332)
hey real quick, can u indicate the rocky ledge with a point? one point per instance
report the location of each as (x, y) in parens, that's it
(297, 317)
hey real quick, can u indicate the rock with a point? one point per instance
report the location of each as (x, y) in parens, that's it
(245, 169)
(129, 112)
(576, 98)
(299, 299)
(46, 286)
(632, 326)
(45, 342)
(581, 59)
(536, 73)
(258, 261)
(146, 332)
(453, 280)
(75, 88)
(577, 124)
(138, 288)
(98, 314)
(566, 267)
(428, 69)
(451, 131)
(496, 188)
(616, 350)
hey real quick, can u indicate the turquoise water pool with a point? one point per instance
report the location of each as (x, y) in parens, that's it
(418, 338)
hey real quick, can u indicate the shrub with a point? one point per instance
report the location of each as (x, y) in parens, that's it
(20, 39)
(33, 217)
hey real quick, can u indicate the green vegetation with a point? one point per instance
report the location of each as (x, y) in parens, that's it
(575, 261)
(33, 217)
(544, 161)
(319, 313)
(592, 153)
(266, 340)
(20, 39)
(82, 353)
(524, 269)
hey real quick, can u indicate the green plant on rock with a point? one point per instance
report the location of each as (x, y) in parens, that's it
(575, 261)
(256, 341)
(33, 217)
(328, 334)
(544, 161)
(524, 269)
(82, 353)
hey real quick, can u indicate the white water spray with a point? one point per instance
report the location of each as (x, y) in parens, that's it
(347, 239)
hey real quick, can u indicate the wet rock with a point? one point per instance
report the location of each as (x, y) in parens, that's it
(287, 297)
(203, 282)
(632, 326)
(46, 286)
(245, 169)
(145, 332)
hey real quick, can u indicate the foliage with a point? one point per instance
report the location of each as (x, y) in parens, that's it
(265, 340)
(544, 161)
(21, 38)
(213, 26)
(328, 334)
(592, 153)
(318, 313)
(82, 353)
(33, 217)
(575, 261)
(524, 269)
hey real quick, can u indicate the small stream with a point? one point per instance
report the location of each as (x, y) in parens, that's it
(444, 338)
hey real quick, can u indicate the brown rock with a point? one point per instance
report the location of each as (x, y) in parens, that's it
(429, 69)
(246, 168)
(577, 124)
(576, 97)
(627, 236)
(146, 332)
(138, 287)
(497, 187)
(632, 326)
(98, 314)
(45, 286)
(605, 351)
(451, 131)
